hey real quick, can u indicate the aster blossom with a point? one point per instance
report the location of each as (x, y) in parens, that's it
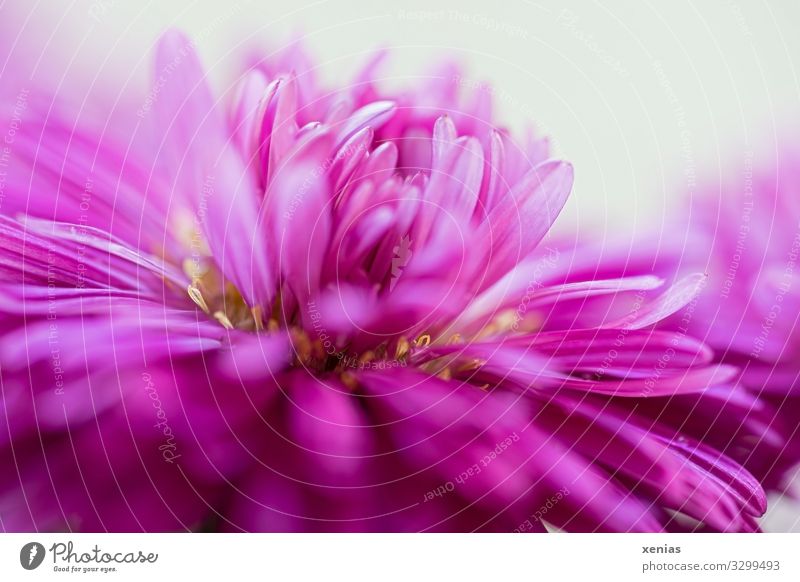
(303, 309)
(741, 230)
(750, 221)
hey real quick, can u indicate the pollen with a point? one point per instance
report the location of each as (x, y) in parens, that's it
(423, 341)
(258, 315)
(302, 346)
(349, 379)
(403, 348)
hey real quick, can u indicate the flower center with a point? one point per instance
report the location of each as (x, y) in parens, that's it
(221, 300)
(316, 352)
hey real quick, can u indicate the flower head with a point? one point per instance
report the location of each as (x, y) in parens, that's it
(296, 308)
(741, 230)
(748, 224)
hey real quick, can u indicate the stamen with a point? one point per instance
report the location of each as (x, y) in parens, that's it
(470, 366)
(223, 319)
(503, 322)
(349, 380)
(506, 319)
(302, 345)
(423, 341)
(194, 269)
(197, 297)
(257, 317)
(402, 348)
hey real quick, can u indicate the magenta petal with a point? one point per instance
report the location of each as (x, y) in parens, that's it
(451, 428)
(211, 177)
(518, 222)
(677, 296)
(253, 357)
(299, 211)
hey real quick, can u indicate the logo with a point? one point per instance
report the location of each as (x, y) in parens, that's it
(402, 255)
(31, 555)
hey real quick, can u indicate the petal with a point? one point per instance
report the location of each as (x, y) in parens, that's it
(209, 173)
(673, 299)
(298, 208)
(521, 218)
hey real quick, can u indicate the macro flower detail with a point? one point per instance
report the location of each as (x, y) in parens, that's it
(297, 308)
(742, 311)
(747, 313)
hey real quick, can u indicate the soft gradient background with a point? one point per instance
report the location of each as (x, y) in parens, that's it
(645, 98)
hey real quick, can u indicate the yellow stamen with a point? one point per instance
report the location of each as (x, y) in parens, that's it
(349, 380)
(302, 345)
(423, 341)
(194, 269)
(318, 349)
(223, 319)
(402, 348)
(257, 317)
(469, 366)
(506, 319)
(197, 297)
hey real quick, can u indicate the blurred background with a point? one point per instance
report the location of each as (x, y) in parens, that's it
(647, 99)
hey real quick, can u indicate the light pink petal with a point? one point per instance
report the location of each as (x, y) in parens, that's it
(210, 176)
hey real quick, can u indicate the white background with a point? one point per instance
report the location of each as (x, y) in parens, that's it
(610, 82)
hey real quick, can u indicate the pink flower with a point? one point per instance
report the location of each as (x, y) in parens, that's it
(304, 309)
(742, 231)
